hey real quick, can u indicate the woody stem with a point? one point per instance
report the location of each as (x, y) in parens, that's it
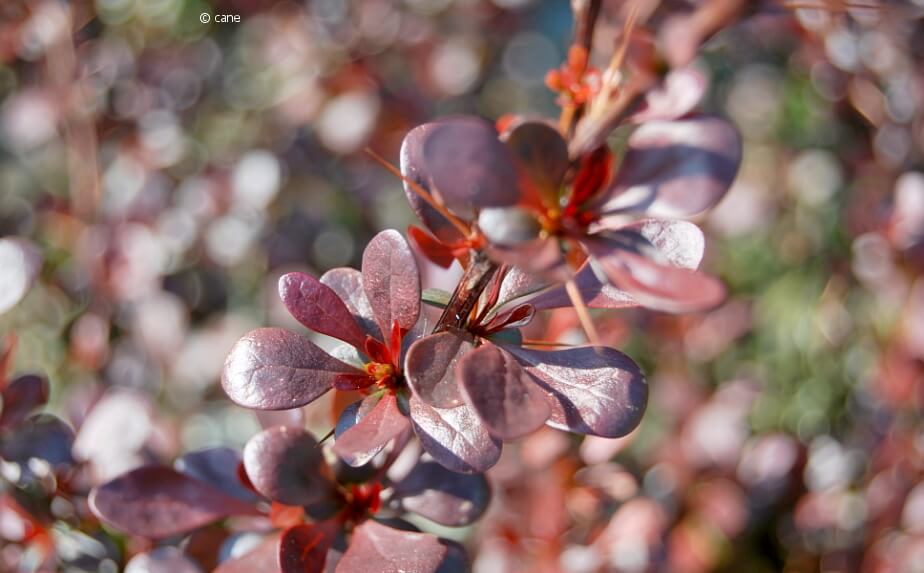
(477, 277)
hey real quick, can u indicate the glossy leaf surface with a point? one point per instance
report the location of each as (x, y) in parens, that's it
(446, 497)
(377, 548)
(370, 434)
(348, 284)
(159, 502)
(286, 465)
(455, 437)
(593, 390)
(502, 393)
(274, 369)
(318, 307)
(303, 548)
(430, 368)
(391, 281)
(675, 168)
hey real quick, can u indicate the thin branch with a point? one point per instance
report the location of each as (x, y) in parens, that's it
(583, 314)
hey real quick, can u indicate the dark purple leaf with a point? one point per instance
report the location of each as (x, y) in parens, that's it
(674, 169)
(348, 284)
(429, 368)
(303, 548)
(158, 502)
(461, 161)
(216, 467)
(456, 560)
(20, 263)
(287, 466)
(541, 156)
(274, 369)
(444, 496)
(162, 560)
(377, 548)
(391, 281)
(455, 437)
(371, 433)
(43, 437)
(264, 558)
(654, 285)
(318, 307)
(502, 394)
(594, 390)
(20, 397)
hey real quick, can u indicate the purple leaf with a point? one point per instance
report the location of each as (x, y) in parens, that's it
(455, 437)
(381, 425)
(162, 560)
(541, 156)
(596, 294)
(542, 256)
(20, 263)
(274, 369)
(594, 390)
(679, 243)
(217, 467)
(681, 92)
(674, 169)
(303, 548)
(263, 558)
(508, 226)
(42, 436)
(461, 161)
(443, 496)
(377, 548)
(391, 281)
(348, 284)
(518, 283)
(319, 308)
(20, 397)
(158, 502)
(502, 394)
(654, 285)
(286, 465)
(429, 368)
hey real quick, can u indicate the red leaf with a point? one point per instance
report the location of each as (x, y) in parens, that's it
(391, 281)
(286, 465)
(377, 548)
(541, 156)
(159, 502)
(430, 368)
(348, 284)
(274, 369)
(303, 548)
(592, 173)
(594, 390)
(503, 395)
(319, 308)
(381, 425)
(437, 252)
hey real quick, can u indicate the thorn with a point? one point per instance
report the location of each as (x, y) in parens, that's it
(326, 437)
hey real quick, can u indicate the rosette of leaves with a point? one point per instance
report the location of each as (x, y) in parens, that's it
(312, 516)
(522, 197)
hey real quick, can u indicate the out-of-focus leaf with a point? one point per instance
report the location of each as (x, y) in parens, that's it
(44, 437)
(20, 397)
(319, 308)
(680, 93)
(20, 263)
(508, 226)
(541, 156)
(359, 444)
(429, 368)
(461, 161)
(377, 548)
(456, 560)
(348, 284)
(274, 369)
(162, 560)
(674, 169)
(679, 243)
(216, 467)
(593, 390)
(437, 252)
(444, 496)
(654, 285)
(502, 394)
(158, 502)
(455, 437)
(264, 558)
(303, 548)
(294, 418)
(436, 297)
(391, 281)
(286, 465)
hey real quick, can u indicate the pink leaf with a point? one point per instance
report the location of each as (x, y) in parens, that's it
(391, 281)
(502, 394)
(594, 390)
(319, 308)
(381, 425)
(455, 437)
(263, 558)
(348, 284)
(430, 368)
(377, 548)
(274, 369)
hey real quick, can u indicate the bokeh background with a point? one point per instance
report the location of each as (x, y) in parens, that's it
(164, 172)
